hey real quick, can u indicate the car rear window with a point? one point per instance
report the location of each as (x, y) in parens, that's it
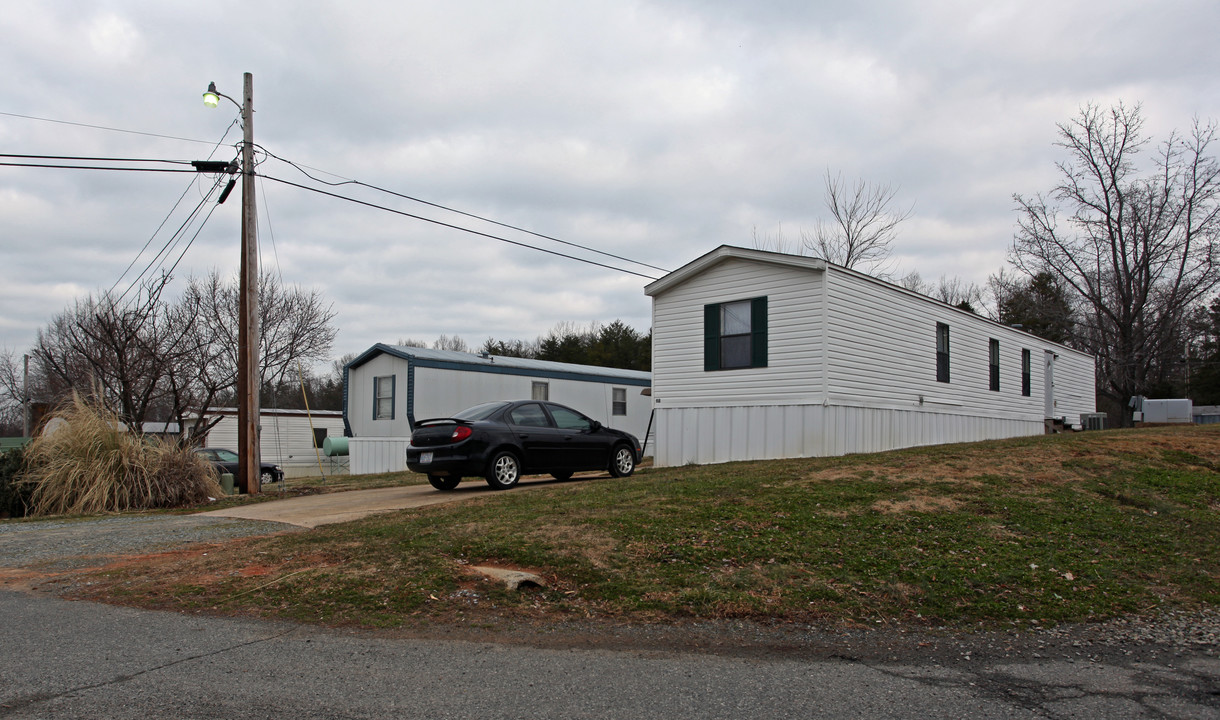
(479, 412)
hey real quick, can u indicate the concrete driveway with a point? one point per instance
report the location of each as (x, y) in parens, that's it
(313, 510)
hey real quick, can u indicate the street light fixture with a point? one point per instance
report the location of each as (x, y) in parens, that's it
(247, 330)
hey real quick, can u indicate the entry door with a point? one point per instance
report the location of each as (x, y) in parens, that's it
(1048, 385)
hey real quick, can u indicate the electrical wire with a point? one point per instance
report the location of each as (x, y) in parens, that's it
(97, 167)
(152, 237)
(96, 159)
(174, 239)
(457, 227)
(421, 201)
(103, 127)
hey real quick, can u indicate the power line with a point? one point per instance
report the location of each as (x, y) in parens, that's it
(98, 167)
(103, 127)
(152, 237)
(456, 227)
(96, 159)
(455, 210)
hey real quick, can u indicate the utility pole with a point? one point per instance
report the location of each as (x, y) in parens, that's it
(247, 311)
(248, 315)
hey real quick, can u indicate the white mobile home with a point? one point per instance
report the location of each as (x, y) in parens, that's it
(291, 439)
(389, 388)
(761, 355)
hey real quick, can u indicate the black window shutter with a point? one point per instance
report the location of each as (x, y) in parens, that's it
(711, 337)
(758, 332)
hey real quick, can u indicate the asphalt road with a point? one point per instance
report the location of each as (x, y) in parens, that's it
(66, 659)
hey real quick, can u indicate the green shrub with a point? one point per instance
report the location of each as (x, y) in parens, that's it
(14, 492)
(90, 465)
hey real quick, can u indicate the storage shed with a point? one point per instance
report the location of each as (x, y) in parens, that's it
(760, 355)
(388, 388)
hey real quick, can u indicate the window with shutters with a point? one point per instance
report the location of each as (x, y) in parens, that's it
(735, 335)
(942, 352)
(993, 363)
(1025, 363)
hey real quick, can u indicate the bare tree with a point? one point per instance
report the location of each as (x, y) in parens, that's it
(151, 359)
(1137, 250)
(952, 290)
(11, 394)
(863, 224)
(295, 327)
(118, 353)
(455, 343)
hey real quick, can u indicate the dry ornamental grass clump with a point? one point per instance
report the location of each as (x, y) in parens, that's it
(91, 465)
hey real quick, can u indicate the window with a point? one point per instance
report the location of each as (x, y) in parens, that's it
(942, 352)
(1025, 364)
(531, 415)
(735, 335)
(540, 391)
(993, 363)
(383, 398)
(570, 420)
(618, 401)
(319, 437)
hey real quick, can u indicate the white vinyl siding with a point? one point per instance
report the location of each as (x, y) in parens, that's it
(852, 368)
(794, 357)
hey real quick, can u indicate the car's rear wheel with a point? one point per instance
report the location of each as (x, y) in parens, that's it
(504, 470)
(622, 461)
(565, 475)
(444, 482)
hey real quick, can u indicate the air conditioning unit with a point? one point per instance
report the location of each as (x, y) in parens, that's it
(1093, 421)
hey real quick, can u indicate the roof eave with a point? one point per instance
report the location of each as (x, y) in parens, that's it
(729, 252)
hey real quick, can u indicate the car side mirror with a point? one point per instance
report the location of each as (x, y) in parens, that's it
(595, 426)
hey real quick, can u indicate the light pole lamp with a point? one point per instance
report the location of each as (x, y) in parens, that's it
(247, 330)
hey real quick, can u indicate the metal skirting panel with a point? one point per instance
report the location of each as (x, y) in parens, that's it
(725, 434)
(377, 454)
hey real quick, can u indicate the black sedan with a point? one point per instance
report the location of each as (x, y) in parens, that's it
(501, 441)
(225, 461)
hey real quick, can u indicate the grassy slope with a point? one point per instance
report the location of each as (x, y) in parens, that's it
(1057, 528)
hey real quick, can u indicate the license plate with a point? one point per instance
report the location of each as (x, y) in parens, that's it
(425, 458)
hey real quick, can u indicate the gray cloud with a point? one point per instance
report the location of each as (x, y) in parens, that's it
(655, 131)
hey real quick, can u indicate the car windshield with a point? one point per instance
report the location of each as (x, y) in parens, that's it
(479, 412)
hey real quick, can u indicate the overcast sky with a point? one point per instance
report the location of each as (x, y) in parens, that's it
(654, 131)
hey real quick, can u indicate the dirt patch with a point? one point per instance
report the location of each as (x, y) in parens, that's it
(919, 503)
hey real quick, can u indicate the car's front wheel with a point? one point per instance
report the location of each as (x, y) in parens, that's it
(622, 461)
(266, 477)
(504, 470)
(444, 482)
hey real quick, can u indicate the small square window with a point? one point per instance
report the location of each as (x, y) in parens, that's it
(619, 404)
(540, 391)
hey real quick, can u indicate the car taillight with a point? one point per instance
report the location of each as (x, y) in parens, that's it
(461, 432)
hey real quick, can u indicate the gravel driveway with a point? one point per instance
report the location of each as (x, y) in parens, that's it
(77, 543)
